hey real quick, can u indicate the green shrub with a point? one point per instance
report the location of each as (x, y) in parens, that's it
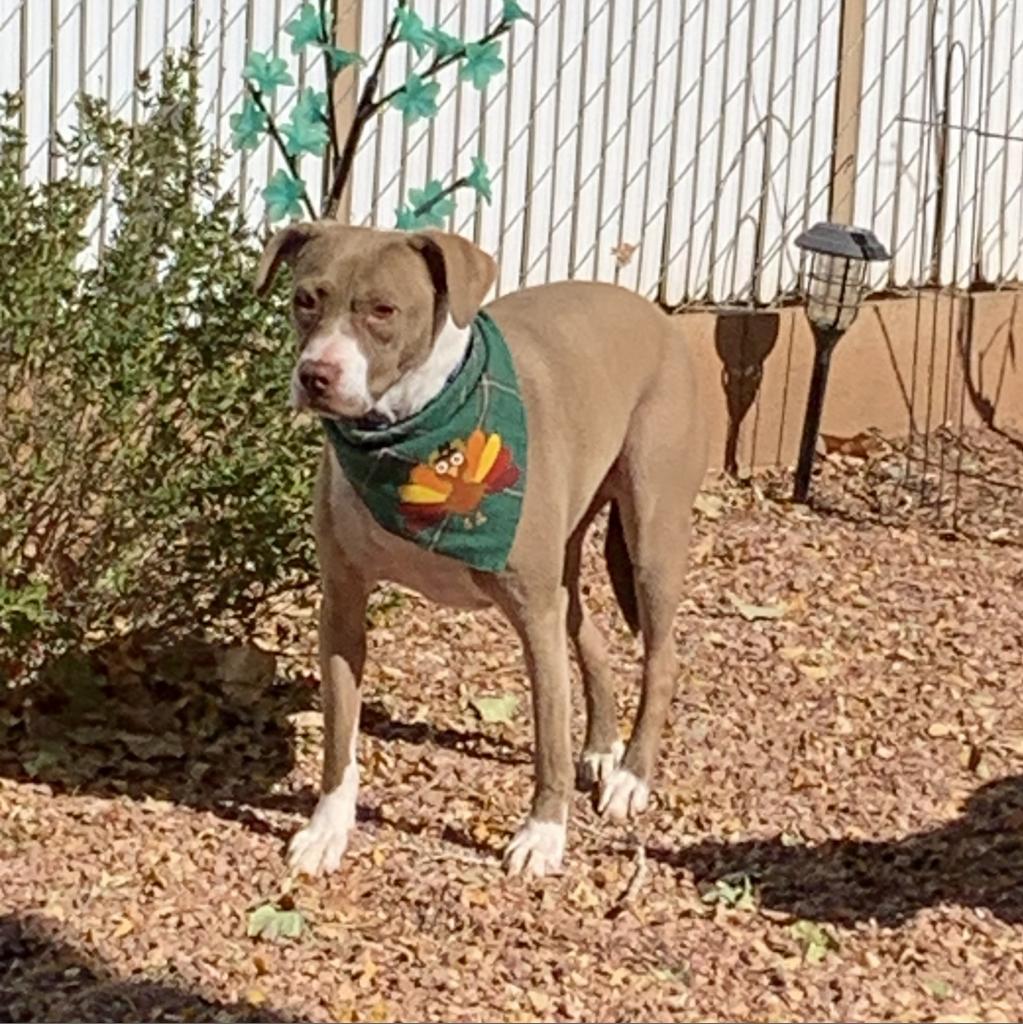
(151, 474)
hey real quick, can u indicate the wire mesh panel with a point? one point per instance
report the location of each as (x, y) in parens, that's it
(674, 146)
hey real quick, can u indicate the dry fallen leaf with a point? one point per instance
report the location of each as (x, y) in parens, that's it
(905, 852)
(757, 612)
(860, 446)
(623, 253)
(709, 506)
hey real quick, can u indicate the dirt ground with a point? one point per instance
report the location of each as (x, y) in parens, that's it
(837, 835)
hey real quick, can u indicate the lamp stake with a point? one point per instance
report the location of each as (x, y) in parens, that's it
(824, 341)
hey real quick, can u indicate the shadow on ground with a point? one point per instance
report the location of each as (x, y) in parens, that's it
(975, 861)
(42, 978)
(194, 722)
(201, 724)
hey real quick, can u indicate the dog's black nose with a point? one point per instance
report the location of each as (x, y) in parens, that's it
(317, 377)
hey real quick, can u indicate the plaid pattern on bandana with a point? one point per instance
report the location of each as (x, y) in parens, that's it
(450, 478)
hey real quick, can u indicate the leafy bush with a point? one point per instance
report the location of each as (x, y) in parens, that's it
(150, 472)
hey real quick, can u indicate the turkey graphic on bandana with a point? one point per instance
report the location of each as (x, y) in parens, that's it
(455, 480)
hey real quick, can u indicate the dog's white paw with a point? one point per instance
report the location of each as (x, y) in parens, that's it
(596, 768)
(318, 848)
(537, 849)
(623, 796)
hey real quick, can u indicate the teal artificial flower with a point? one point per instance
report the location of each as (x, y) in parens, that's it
(513, 12)
(428, 208)
(482, 62)
(306, 28)
(411, 30)
(267, 71)
(479, 180)
(248, 125)
(307, 131)
(283, 196)
(417, 99)
(406, 219)
(444, 43)
(341, 59)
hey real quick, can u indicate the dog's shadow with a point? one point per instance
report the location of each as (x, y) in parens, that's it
(194, 722)
(974, 861)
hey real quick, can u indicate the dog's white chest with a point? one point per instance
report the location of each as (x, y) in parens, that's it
(385, 557)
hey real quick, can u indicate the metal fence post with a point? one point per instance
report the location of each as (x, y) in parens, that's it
(348, 36)
(848, 96)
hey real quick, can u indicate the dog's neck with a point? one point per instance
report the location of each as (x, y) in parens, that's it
(420, 386)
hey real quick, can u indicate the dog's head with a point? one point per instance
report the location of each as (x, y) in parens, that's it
(369, 305)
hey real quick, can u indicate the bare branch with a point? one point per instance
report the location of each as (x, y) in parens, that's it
(343, 164)
(368, 107)
(331, 79)
(443, 194)
(257, 98)
(439, 64)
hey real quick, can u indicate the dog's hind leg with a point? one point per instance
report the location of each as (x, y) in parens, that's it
(602, 748)
(658, 481)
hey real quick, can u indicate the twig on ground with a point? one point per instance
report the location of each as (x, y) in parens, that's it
(640, 871)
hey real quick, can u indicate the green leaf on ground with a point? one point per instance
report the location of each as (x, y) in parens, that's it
(274, 923)
(734, 891)
(816, 942)
(495, 710)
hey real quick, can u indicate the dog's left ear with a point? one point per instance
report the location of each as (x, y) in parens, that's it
(283, 247)
(460, 270)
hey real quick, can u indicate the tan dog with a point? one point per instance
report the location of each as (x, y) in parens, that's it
(383, 320)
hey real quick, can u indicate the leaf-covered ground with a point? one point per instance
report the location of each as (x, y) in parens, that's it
(838, 833)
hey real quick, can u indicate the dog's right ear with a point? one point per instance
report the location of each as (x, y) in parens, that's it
(284, 247)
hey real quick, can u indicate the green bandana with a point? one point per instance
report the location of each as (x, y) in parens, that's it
(451, 477)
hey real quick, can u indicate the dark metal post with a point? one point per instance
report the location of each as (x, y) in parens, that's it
(824, 344)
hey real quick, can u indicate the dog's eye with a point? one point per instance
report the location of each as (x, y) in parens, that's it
(382, 311)
(304, 300)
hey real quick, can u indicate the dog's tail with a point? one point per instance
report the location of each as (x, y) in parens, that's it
(619, 566)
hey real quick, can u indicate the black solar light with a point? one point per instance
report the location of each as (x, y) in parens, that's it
(836, 281)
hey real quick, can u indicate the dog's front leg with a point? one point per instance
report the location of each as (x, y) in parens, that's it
(539, 846)
(321, 844)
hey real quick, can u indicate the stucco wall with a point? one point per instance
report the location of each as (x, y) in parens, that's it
(900, 362)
